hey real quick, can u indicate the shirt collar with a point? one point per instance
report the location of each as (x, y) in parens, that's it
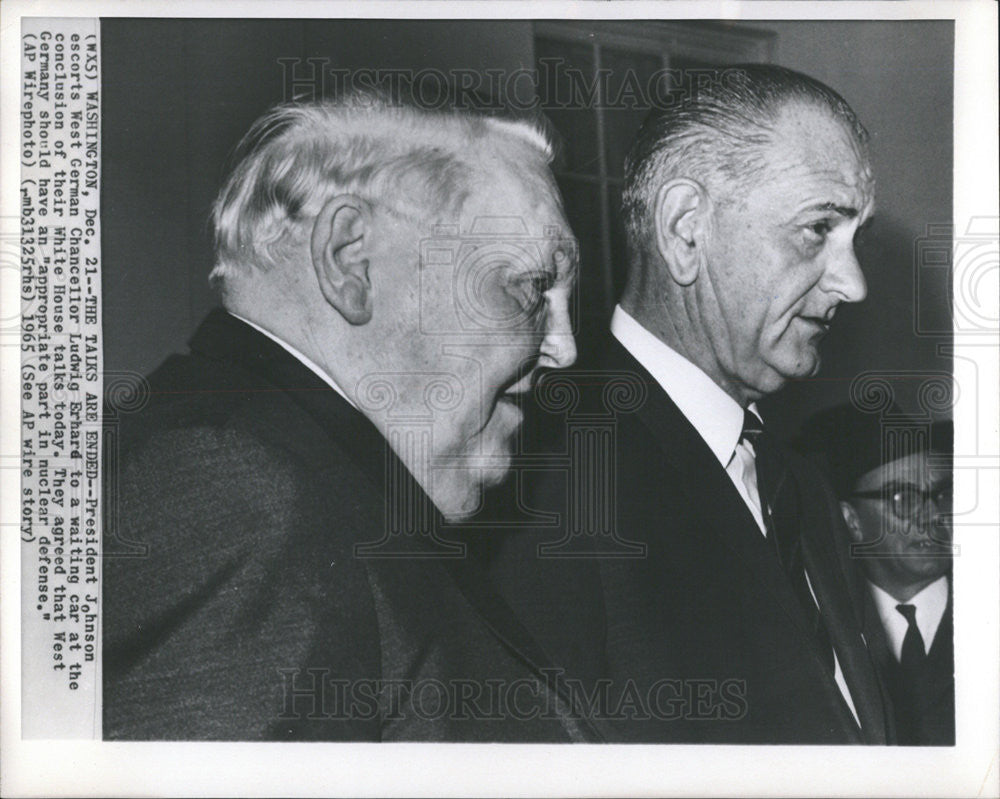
(930, 603)
(716, 416)
(320, 373)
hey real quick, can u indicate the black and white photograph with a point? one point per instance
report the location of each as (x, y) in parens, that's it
(621, 375)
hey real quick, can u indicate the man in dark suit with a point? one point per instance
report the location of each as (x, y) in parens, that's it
(893, 477)
(693, 588)
(277, 565)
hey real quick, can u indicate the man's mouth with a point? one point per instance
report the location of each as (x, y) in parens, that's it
(519, 390)
(513, 400)
(821, 323)
(928, 546)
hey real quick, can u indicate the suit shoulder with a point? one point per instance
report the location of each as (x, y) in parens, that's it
(190, 461)
(220, 539)
(184, 391)
(227, 489)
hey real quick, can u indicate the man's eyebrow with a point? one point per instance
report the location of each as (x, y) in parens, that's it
(844, 210)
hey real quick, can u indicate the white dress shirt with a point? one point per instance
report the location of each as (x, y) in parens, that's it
(716, 416)
(930, 603)
(312, 367)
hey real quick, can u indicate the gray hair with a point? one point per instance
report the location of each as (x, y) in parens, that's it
(298, 155)
(718, 131)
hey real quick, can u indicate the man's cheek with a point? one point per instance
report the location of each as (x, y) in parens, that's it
(801, 346)
(507, 417)
(778, 345)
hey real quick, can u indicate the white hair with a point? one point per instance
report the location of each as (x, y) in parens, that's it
(299, 155)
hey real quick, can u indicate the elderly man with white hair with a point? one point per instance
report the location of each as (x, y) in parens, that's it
(392, 281)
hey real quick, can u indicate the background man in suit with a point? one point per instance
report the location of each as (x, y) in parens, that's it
(722, 599)
(280, 571)
(895, 495)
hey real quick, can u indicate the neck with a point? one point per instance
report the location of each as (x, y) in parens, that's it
(296, 325)
(670, 324)
(350, 357)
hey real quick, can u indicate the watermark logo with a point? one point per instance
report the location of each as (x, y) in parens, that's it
(317, 695)
(589, 518)
(969, 265)
(553, 85)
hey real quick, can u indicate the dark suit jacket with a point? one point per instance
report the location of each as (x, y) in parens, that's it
(235, 603)
(924, 712)
(700, 619)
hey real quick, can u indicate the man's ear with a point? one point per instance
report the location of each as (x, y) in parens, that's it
(340, 244)
(853, 521)
(679, 219)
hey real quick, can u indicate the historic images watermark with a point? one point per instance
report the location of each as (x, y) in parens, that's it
(318, 695)
(492, 90)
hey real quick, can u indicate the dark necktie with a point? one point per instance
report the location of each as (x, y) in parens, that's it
(909, 684)
(779, 510)
(913, 654)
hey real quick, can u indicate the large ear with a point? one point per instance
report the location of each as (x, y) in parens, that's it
(853, 521)
(340, 245)
(679, 216)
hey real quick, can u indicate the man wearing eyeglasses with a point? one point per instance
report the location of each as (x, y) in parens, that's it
(896, 499)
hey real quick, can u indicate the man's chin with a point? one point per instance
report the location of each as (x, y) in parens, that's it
(801, 364)
(490, 470)
(462, 477)
(928, 557)
(459, 509)
(456, 493)
(458, 489)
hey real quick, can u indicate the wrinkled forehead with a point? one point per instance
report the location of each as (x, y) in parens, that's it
(809, 144)
(517, 198)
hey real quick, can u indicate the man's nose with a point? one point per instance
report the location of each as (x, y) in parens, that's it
(843, 276)
(558, 348)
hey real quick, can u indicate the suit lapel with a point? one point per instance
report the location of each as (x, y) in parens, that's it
(833, 594)
(478, 590)
(222, 336)
(726, 518)
(712, 495)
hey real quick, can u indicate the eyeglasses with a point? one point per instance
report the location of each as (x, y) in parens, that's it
(907, 501)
